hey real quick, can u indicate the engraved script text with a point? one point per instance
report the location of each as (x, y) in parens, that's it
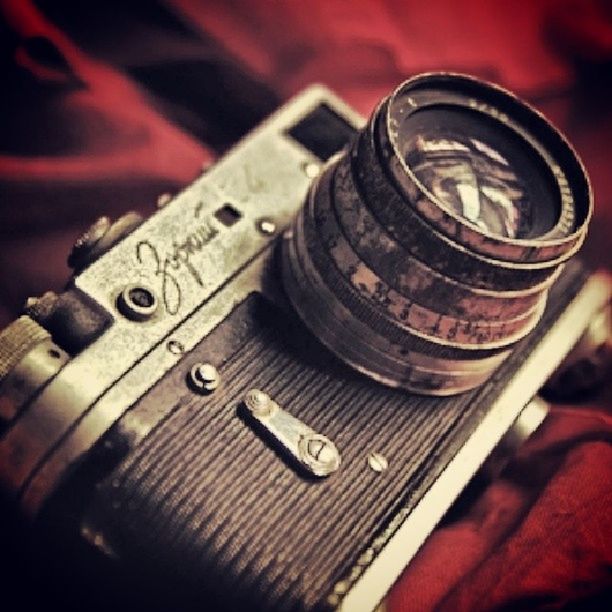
(168, 266)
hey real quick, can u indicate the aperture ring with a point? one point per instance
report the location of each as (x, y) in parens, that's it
(355, 343)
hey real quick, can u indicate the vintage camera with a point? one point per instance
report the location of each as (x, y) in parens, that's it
(267, 394)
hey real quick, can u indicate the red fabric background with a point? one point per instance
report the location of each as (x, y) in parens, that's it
(84, 133)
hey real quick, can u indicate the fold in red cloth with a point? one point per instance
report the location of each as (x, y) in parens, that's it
(538, 537)
(105, 105)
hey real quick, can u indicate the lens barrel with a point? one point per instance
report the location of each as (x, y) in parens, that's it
(426, 251)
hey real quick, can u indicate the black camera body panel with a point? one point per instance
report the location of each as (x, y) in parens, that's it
(203, 502)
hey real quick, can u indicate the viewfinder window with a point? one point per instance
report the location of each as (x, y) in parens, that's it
(322, 132)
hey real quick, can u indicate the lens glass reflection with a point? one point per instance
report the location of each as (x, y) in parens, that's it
(471, 178)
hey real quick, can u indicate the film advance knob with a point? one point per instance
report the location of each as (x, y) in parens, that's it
(17, 340)
(28, 360)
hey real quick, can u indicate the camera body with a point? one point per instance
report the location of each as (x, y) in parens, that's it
(189, 427)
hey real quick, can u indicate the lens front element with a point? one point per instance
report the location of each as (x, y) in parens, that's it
(473, 180)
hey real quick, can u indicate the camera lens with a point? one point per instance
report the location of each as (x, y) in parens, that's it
(425, 252)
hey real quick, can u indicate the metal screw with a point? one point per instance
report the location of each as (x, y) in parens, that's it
(366, 557)
(203, 377)
(258, 402)
(319, 453)
(377, 462)
(311, 169)
(341, 587)
(175, 347)
(266, 226)
(320, 450)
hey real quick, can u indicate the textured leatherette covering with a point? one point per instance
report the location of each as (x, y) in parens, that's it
(207, 502)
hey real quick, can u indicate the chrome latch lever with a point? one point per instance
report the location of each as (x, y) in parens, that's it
(314, 451)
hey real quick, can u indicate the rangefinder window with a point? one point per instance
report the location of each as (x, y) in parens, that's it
(322, 132)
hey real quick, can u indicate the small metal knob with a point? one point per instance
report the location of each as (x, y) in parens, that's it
(17, 340)
(99, 238)
(28, 360)
(85, 243)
